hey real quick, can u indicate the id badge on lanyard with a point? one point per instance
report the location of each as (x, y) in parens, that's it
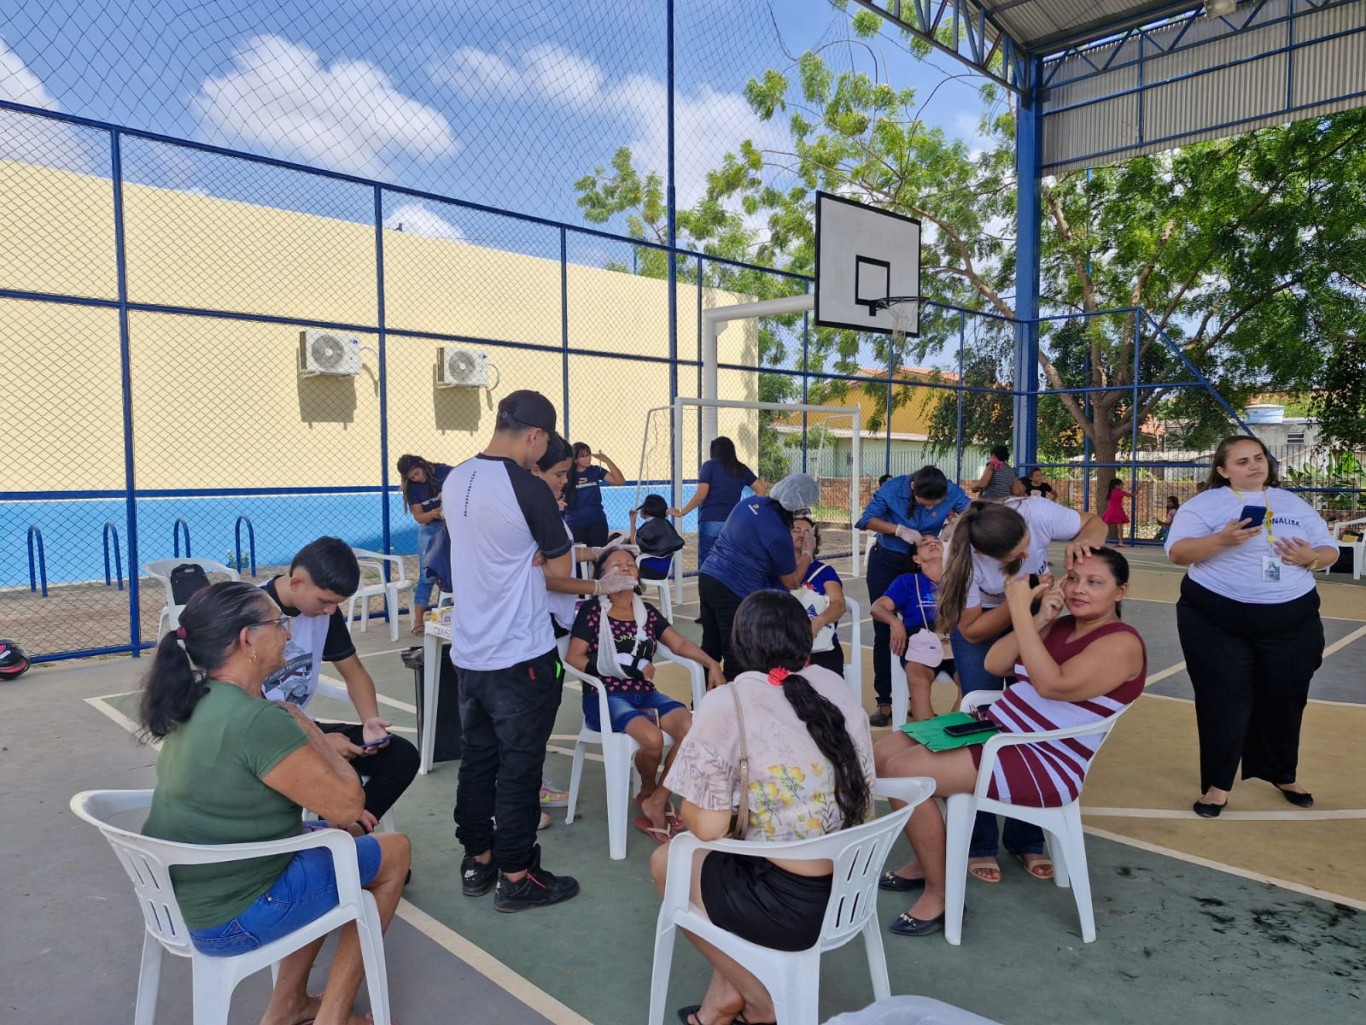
(1271, 562)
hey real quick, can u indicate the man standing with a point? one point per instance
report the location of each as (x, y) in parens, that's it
(506, 538)
(322, 576)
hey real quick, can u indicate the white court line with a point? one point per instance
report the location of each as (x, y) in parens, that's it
(1242, 873)
(1341, 814)
(490, 967)
(1338, 645)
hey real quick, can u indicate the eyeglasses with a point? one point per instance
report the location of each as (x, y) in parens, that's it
(283, 623)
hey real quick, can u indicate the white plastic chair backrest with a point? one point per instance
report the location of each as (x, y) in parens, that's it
(1343, 524)
(858, 854)
(146, 861)
(593, 683)
(1100, 728)
(376, 561)
(872, 536)
(161, 570)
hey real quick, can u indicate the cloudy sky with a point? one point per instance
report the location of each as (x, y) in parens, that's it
(503, 104)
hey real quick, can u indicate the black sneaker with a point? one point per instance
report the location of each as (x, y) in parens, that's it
(538, 888)
(882, 717)
(476, 879)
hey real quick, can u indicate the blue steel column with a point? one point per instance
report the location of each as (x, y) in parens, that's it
(564, 329)
(1028, 171)
(672, 200)
(383, 382)
(126, 384)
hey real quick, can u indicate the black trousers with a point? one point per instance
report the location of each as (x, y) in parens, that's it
(594, 534)
(506, 717)
(388, 771)
(719, 603)
(1250, 666)
(884, 566)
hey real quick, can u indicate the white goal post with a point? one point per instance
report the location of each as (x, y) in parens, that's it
(709, 433)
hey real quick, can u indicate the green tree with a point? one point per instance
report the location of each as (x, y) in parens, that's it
(1246, 253)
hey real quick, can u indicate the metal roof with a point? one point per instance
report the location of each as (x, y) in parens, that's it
(1045, 27)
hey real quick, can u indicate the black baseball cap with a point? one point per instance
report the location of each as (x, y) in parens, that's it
(530, 408)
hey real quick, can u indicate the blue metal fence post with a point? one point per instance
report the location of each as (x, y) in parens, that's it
(126, 386)
(1029, 128)
(1133, 446)
(806, 381)
(564, 329)
(387, 545)
(962, 346)
(672, 198)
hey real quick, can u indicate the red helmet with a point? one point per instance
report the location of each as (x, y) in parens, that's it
(13, 660)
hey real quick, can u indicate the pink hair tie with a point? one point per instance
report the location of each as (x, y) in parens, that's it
(777, 676)
(180, 633)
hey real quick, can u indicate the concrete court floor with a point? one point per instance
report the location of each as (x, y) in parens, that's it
(1251, 918)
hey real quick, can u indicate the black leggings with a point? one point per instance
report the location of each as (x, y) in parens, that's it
(594, 534)
(1250, 667)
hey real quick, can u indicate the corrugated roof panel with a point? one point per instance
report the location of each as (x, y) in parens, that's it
(1232, 82)
(1045, 19)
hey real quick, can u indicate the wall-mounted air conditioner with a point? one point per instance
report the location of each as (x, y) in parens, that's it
(328, 352)
(461, 368)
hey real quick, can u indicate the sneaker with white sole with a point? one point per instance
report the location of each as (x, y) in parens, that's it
(552, 796)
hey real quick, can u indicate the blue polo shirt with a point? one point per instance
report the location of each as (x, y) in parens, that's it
(587, 507)
(894, 503)
(916, 597)
(723, 490)
(753, 547)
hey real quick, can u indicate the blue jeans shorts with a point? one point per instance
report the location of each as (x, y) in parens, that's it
(306, 890)
(625, 707)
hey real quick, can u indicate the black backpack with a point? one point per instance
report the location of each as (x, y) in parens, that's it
(186, 580)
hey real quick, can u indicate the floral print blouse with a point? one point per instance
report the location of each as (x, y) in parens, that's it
(791, 783)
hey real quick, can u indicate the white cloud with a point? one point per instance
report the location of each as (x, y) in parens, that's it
(31, 139)
(708, 122)
(348, 116)
(419, 220)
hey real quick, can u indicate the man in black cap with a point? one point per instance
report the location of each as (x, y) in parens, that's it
(506, 538)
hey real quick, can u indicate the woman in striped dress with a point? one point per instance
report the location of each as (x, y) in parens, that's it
(1070, 671)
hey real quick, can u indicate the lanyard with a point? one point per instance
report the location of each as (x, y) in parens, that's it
(1266, 521)
(921, 601)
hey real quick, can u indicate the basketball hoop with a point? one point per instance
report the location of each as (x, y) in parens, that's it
(903, 312)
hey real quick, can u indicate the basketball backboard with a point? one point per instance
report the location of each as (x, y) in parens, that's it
(864, 255)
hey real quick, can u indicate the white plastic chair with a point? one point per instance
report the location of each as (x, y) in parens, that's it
(160, 570)
(666, 605)
(853, 669)
(793, 978)
(389, 590)
(1061, 826)
(1358, 547)
(327, 689)
(901, 690)
(147, 862)
(618, 754)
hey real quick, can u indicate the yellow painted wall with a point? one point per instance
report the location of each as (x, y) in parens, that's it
(219, 403)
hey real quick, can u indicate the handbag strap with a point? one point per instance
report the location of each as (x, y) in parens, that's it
(741, 824)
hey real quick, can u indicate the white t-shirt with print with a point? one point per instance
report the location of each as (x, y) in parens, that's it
(1238, 572)
(1048, 522)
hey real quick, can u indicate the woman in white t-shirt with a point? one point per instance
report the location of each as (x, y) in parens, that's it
(810, 758)
(1248, 619)
(991, 543)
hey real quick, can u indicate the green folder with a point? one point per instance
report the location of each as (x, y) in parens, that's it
(930, 732)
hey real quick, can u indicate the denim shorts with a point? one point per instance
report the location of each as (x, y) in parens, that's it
(306, 890)
(624, 707)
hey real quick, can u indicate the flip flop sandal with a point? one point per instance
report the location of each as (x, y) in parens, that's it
(675, 826)
(658, 834)
(986, 873)
(1041, 868)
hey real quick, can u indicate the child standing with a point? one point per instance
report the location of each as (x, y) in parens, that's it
(1114, 514)
(1165, 524)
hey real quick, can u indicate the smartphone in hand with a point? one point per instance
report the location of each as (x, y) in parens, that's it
(373, 744)
(1255, 513)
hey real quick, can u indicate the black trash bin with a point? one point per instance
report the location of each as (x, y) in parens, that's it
(447, 747)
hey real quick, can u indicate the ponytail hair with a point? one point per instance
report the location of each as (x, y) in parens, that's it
(772, 631)
(210, 623)
(571, 487)
(987, 527)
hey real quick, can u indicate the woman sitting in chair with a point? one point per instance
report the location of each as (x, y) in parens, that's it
(235, 768)
(614, 639)
(821, 594)
(1070, 671)
(810, 762)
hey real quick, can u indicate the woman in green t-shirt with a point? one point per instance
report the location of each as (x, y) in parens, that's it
(235, 768)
